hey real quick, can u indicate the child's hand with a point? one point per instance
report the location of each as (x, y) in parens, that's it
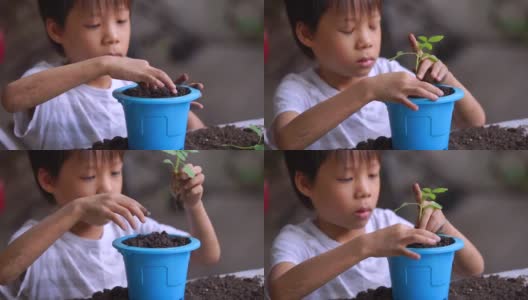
(398, 86)
(432, 219)
(103, 208)
(392, 241)
(182, 79)
(138, 70)
(428, 70)
(189, 189)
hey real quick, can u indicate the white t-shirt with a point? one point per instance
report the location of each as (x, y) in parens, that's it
(300, 92)
(75, 267)
(298, 243)
(75, 119)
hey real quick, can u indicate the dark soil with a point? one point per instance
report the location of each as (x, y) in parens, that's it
(157, 240)
(483, 138)
(447, 91)
(225, 288)
(143, 92)
(221, 138)
(210, 288)
(444, 241)
(212, 138)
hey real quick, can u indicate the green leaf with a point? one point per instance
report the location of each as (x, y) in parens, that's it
(428, 46)
(189, 171)
(169, 162)
(170, 152)
(181, 155)
(256, 129)
(259, 147)
(405, 204)
(434, 205)
(426, 190)
(434, 58)
(439, 190)
(423, 38)
(432, 196)
(435, 39)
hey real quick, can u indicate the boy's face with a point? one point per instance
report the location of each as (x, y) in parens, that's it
(347, 43)
(82, 176)
(346, 195)
(90, 33)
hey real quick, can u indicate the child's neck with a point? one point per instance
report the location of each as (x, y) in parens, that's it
(87, 231)
(338, 233)
(103, 82)
(336, 80)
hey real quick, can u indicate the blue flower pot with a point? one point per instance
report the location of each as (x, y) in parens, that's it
(156, 273)
(425, 129)
(156, 123)
(426, 278)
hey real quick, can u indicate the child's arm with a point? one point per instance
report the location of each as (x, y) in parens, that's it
(28, 92)
(468, 260)
(293, 131)
(95, 210)
(468, 112)
(194, 122)
(289, 281)
(191, 191)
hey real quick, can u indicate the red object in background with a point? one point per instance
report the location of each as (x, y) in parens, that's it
(2, 47)
(266, 196)
(265, 46)
(2, 206)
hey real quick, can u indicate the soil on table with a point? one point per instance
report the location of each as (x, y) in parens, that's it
(142, 91)
(210, 288)
(482, 138)
(212, 138)
(489, 288)
(444, 241)
(157, 240)
(221, 138)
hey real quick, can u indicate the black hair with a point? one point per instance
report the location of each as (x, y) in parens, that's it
(58, 11)
(309, 162)
(309, 12)
(53, 160)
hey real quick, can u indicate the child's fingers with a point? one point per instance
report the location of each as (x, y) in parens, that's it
(424, 93)
(183, 77)
(116, 219)
(405, 101)
(417, 192)
(165, 79)
(197, 105)
(420, 236)
(431, 88)
(195, 191)
(424, 221)
(410, 254)
(197, 85)
(135, 207)
(424, 66)
(435, 71)
(121, 210)
(197, 180)
(413, 42)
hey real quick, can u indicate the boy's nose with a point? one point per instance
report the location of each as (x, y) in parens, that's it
(111, 36)
(362, 190)
(105, 186)
(364, 39)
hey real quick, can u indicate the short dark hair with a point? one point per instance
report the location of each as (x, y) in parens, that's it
(53, 160)
(309, 12)
(58, 11)
(309, 162)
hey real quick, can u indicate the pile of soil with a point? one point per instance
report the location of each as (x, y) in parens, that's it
(210, 288)
(489, 288)
(221, 138)
(444, 241)
(212, 138)
(225, 288)
(482, 138)
(157, 240)
(143, 92)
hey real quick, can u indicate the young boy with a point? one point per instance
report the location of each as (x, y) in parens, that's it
(343, 249)
(336, 104)
(69, 254)
(70, 105)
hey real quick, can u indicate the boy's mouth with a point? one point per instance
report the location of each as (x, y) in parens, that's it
(366, 62)
(363, 213)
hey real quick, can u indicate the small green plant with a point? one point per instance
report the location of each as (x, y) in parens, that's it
(258, 146)
(180, 158)
(428, 194)
(424, 44)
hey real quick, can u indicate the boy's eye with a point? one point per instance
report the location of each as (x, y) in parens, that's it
(87, 178)
(347, 179)
(347, 32)
(116, 173)
(92, 26)
(124, 21)
(373, 175)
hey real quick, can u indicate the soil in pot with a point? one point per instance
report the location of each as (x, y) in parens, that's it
(157, 240)
(221, 138)
(447, 91)
(210, 288)
(444, 241)
(482, 138)
(488, 288)
(142, 91)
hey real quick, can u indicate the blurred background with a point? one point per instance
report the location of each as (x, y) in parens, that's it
(232, 198)
(486, 200)
(486, 47)
(216, 42)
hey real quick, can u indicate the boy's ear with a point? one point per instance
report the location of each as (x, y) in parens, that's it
(303, 184)
(54, 30)
(304, 34)
(46, 181)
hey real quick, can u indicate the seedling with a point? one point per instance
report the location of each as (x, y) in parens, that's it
(424, 44)
(180, 158)
(259, 146)
(428, 194)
